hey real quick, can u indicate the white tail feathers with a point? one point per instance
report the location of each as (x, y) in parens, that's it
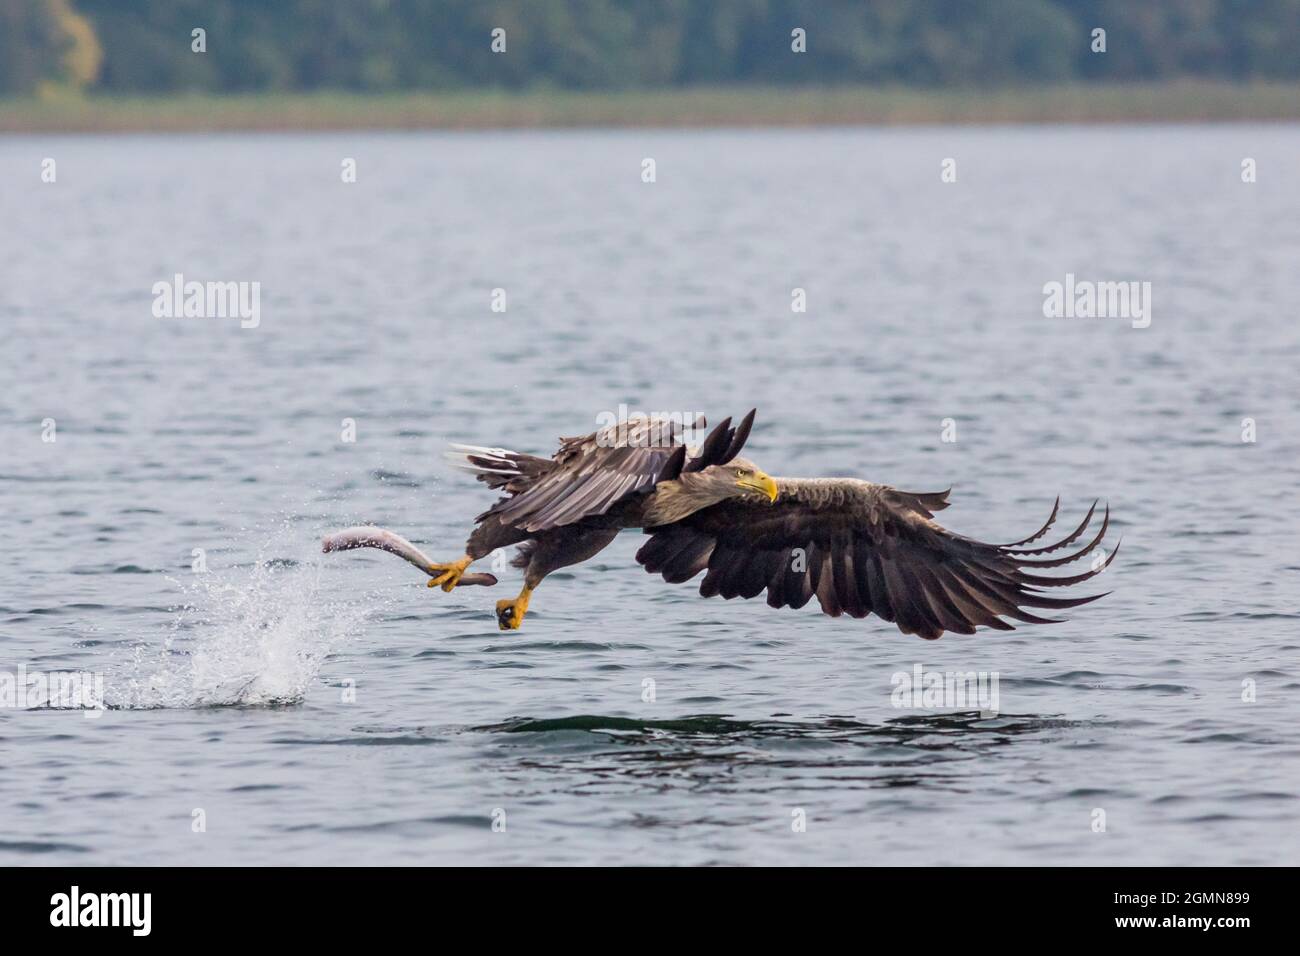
(482, 461)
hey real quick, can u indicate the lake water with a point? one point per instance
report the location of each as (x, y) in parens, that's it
(1172, 706)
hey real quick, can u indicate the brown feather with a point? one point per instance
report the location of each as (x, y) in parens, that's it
(872, 549)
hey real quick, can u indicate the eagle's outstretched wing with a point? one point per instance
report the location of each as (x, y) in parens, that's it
(863, 548)
(592, 473)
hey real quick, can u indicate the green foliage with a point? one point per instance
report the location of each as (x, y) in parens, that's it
(387, 45)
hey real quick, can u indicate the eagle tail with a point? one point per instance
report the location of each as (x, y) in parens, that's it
(495, 466)
(499, 467)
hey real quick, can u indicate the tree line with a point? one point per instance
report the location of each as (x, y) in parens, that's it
(149, 46)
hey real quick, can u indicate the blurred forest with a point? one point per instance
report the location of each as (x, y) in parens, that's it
(144, 46)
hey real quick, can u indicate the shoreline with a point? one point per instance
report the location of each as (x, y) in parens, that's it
(696, 107)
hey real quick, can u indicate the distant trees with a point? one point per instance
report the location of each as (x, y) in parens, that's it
(144, 46)
(46, 41)
(30, 41)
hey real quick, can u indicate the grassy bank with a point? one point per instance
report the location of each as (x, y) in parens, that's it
(1102, 103)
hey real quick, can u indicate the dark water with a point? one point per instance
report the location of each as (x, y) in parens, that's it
(227, 690)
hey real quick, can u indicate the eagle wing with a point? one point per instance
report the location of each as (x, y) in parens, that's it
(863, 548)
(592, 473)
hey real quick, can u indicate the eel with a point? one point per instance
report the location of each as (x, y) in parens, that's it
(368, 536)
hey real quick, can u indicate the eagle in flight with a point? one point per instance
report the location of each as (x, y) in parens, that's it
(857, 547)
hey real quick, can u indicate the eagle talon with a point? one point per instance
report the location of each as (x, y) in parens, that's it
(510, 614)
(451, 573)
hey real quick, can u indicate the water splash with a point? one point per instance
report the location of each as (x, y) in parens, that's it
(253, 636)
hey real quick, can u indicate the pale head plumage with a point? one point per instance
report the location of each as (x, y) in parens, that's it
(691, 491)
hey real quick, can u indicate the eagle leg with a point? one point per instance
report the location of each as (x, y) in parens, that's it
(450, 573)
(510, 614)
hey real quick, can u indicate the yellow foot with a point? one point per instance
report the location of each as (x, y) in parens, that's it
(510, 614)
(451, 573)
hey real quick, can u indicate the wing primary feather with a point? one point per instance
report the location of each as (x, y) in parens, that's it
(931, 627)
(1043, 582)
(738, 437)
(941, 606)
(712, 447)
(673, 467)
(968, 604)
(1041, 531)
(1057, 562)
(1087, 519)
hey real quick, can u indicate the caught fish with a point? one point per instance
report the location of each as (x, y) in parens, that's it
(368, 536)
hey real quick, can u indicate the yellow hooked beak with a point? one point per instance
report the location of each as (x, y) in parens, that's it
(763, 484)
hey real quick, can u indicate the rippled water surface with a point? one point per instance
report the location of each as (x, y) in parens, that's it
(331, 709)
